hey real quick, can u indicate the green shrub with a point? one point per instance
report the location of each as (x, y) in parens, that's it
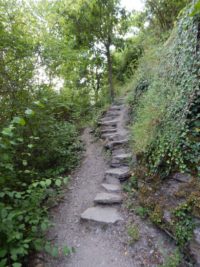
(34, 149)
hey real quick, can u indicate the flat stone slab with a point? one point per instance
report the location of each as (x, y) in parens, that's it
(113, 144)
(108, 198)
(109, 130)
(111, 136)
(123, 156)
(109, 123)
(108, 215)
(121, 160)
(114, 188)
(122, 173)
(117, 107)
(111, 180)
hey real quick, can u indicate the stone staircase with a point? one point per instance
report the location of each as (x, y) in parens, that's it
(115, 135)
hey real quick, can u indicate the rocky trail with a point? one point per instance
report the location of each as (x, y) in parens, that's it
(93, 216)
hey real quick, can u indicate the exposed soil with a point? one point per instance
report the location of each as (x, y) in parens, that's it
(99, 245)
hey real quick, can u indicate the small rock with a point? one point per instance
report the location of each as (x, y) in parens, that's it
(108, 215)
(167, 216)
(108, 198)
(195, 246)
(182, 177)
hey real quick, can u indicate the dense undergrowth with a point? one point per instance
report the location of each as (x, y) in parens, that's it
(166, 118)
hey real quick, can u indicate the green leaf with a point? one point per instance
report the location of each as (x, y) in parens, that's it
(58, 182)
(66, 250)
(39, 104)
(7, 131)
(44, 226)
(29, 112)
(3, 263)
(47, 248)
(24, 162)
(55, 252)
(48, 182)
(19, 120)
(30, 145)
(43, 183)
(66, 180)
(17, 264)
(3, 252)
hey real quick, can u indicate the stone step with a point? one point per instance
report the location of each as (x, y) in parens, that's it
(109, 123)
(121, 160)
(108, 198)
(113, 113)
(116, 107)
(105, 215)
(111, 180)
(109, 118)
(118, 150)
(113, 144)
(109, 130)
(122, 173)
(113, 188)
(111, 136)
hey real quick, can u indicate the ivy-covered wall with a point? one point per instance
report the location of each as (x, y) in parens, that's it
(166, 128)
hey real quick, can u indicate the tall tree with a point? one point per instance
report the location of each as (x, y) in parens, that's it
(99, 25)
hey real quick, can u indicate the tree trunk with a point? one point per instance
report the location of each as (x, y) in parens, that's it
(110, 73)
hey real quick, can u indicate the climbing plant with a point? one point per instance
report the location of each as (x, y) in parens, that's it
(166, 130)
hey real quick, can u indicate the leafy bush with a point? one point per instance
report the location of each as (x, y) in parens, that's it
(34, 149)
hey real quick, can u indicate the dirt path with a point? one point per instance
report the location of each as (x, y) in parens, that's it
(95, 245)
(102, 245)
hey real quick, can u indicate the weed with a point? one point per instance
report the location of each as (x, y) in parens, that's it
(134, 233)
(173, 260)
(142, 211)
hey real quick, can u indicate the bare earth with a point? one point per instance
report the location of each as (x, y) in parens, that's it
(99, 245)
